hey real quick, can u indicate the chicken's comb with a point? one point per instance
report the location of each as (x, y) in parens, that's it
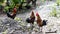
(37, 14)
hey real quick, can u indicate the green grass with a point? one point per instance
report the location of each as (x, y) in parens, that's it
(58, 2)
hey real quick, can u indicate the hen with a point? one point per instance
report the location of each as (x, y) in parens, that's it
(31, 19)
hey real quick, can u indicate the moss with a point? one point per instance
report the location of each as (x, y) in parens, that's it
(5, 32)
(54, 12)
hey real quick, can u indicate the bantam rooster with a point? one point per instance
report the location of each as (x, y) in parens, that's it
(13, 14)
(40, 22)
(31, 19)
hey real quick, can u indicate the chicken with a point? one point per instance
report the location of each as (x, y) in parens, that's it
(40, 22)
(31, 19)
(13, 14)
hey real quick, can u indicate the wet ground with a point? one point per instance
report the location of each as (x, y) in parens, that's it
(43, 8)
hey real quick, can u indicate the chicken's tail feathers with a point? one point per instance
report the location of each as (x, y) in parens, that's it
(45, 22)
(28, 20)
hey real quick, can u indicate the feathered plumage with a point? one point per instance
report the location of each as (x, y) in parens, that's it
(31, 19)
(40, 22)
(13, 14)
